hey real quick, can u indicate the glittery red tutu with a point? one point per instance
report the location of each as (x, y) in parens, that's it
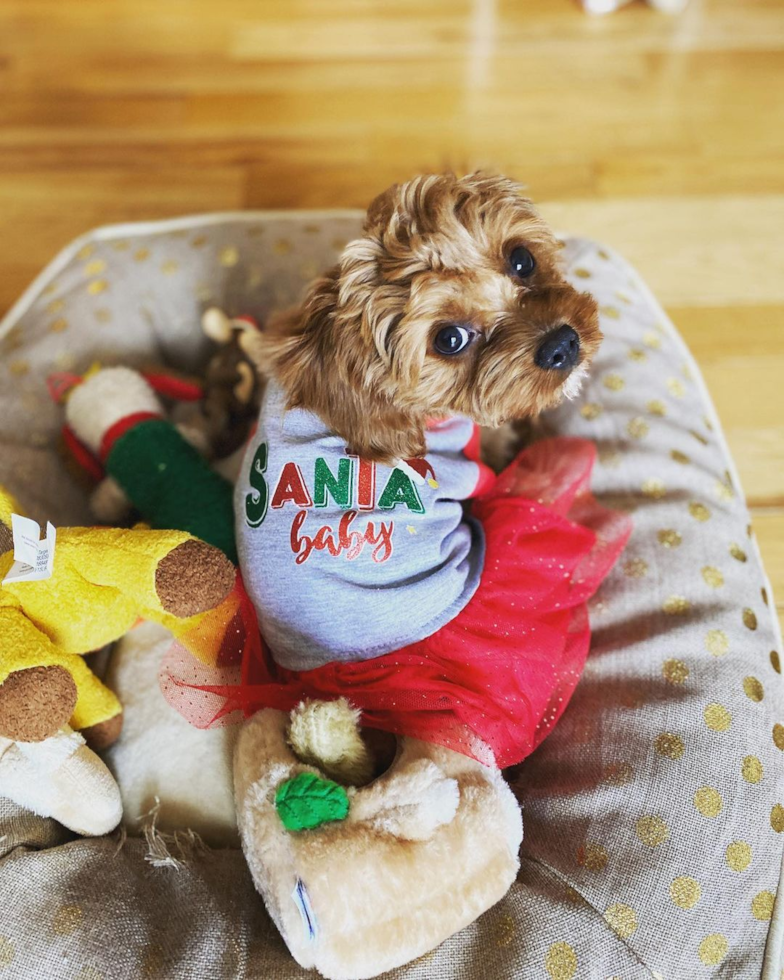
(492, 682)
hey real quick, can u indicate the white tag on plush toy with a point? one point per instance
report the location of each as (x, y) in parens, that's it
(302, 901)
(33, 558)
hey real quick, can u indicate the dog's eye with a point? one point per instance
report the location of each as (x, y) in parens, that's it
(521, 262)
(452, 339)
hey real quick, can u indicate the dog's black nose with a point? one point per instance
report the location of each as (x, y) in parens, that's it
(560, 350)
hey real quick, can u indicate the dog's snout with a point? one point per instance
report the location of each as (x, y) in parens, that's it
(560, 349)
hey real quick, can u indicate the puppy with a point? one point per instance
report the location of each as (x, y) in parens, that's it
(448, 313)
(451, 302)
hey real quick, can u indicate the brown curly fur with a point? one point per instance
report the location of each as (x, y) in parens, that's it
(359, 351)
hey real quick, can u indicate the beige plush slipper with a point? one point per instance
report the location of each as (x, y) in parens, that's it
(424, 849)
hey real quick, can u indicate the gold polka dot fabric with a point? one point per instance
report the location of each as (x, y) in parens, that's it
(134, 295)
(682, 688)
(654, 813)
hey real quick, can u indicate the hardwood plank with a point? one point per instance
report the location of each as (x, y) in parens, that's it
(759, 455)
(693, 251)
(769, 529)
(716, 332)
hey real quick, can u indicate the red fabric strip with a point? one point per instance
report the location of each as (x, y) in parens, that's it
(119, 428)
(486, 477)
(176, 388)
(88, 462)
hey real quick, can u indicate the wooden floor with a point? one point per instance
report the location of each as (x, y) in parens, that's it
(664, 137)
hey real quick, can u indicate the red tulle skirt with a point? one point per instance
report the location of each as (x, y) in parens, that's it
(492, 682)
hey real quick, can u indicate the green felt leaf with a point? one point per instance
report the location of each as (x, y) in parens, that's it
(307, 801)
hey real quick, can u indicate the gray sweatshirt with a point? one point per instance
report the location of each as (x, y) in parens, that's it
(345, 559)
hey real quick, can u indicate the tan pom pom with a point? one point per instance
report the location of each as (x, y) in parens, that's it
(326, 734)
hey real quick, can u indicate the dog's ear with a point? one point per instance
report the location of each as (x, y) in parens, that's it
(327, 366)
(290, 339)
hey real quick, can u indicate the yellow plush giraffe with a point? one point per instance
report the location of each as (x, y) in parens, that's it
(103, 581)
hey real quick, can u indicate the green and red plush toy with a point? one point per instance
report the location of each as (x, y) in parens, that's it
(117, 429)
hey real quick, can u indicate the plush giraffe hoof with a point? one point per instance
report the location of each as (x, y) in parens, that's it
(193, 578)
(104, 733)
(36, 702)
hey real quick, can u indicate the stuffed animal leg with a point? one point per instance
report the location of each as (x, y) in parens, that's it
(44, 765)
(43, 688)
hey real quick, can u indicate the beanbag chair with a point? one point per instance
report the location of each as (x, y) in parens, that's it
(654, 813)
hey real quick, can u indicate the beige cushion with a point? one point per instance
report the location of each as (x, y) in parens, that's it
(653, 814)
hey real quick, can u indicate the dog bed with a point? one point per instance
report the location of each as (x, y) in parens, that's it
(654, 814)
